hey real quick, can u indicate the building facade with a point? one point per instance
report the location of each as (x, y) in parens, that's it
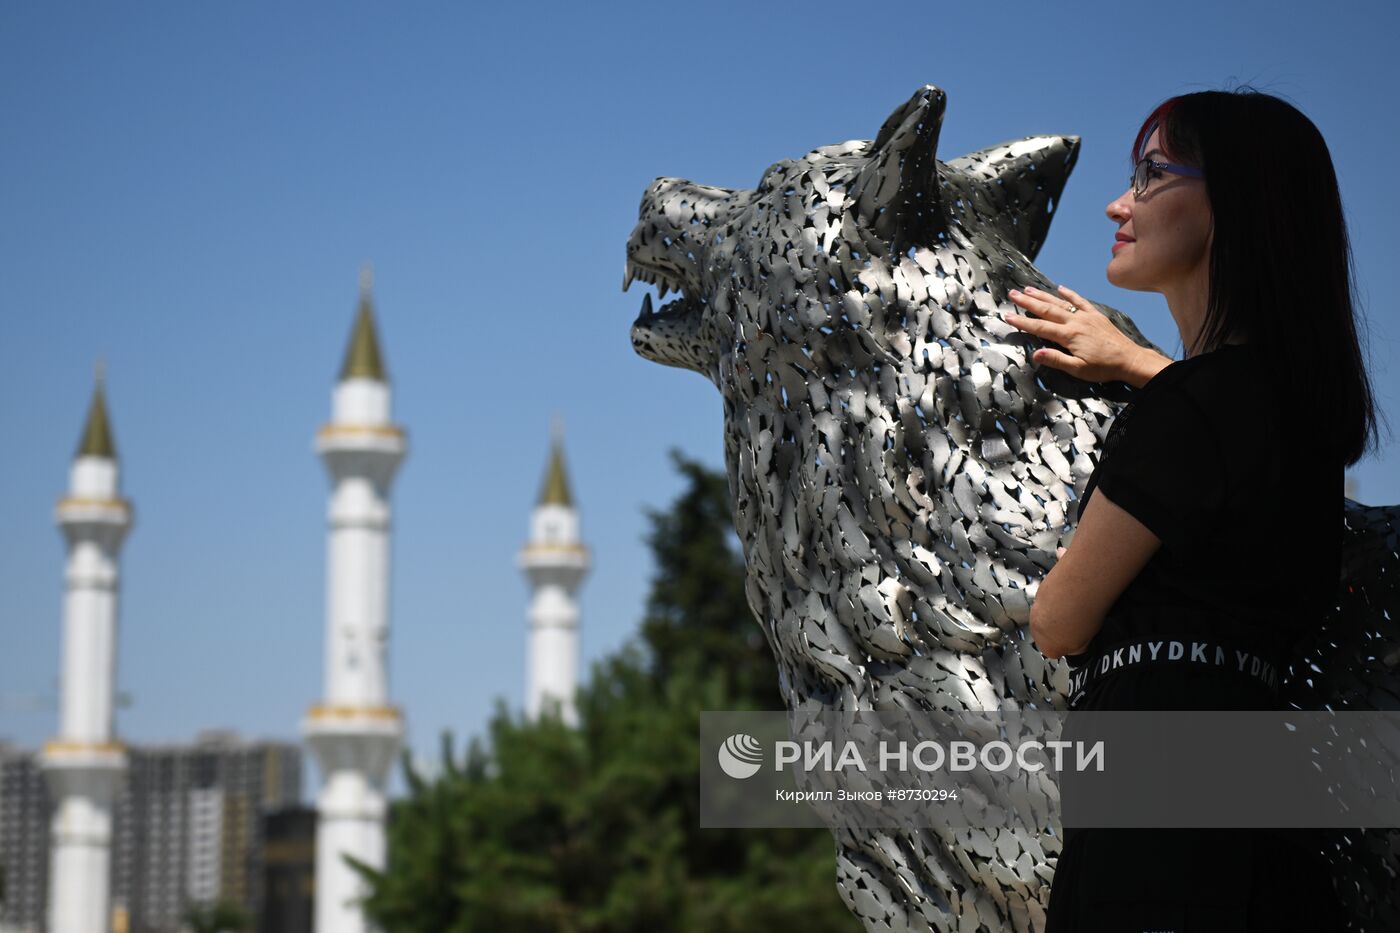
(189, 825)
(289, 871)
(187, 829)
(25, 814)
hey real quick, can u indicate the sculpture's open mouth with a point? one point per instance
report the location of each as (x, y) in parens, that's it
(664, 282)
(671, 336)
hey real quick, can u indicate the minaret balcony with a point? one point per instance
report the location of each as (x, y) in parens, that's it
(549, 555)
(387, 438)
(85, 768)
(358, 738)
(105, 521)
(78, 510)
(372, 450)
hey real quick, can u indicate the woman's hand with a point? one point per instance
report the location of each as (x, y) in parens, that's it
(1099, 352)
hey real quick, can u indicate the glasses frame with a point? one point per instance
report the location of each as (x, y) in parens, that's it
(1139, 170)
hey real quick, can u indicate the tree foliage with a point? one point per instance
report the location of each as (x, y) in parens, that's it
(223, 916)
(542, 827)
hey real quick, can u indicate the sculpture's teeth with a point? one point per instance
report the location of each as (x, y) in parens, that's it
(664, 283)
(646, 305)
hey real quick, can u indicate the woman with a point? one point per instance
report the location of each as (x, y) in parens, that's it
(1215, 510)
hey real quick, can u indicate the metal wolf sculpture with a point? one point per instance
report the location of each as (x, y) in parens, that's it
(901, 476)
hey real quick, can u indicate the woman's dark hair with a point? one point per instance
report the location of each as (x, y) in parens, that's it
(1281, 270)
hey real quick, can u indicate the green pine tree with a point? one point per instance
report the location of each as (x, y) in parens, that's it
(546, 829)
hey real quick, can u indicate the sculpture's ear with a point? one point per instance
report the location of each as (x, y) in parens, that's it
(896, 193)
(1022, 181)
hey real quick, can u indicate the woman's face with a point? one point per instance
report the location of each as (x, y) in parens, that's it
(1164, 235)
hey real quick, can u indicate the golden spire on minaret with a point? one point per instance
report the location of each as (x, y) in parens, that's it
(97, 440)
(556, 482)
(362, 358)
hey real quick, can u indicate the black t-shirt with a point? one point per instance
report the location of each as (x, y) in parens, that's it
(1250, 517)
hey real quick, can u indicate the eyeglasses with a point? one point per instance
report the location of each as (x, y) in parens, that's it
(1145, 167)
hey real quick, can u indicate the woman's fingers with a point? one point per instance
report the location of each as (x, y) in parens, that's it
(1094, 348)
(1031, 325)
(1078, 300)
(1042, 319)
(1044, 325)
(1033, 299)
(1048, 357)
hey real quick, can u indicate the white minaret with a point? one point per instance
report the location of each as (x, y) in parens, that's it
(85, 764)
(354, 733)
(555, 563)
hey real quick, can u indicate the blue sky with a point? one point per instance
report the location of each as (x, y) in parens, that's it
(188, 191)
